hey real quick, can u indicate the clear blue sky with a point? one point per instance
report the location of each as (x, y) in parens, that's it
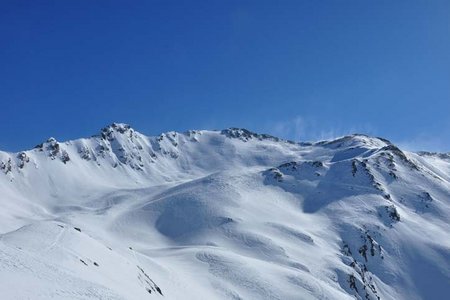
(303, 70)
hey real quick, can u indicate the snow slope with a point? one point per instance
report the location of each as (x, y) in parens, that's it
(225, 214)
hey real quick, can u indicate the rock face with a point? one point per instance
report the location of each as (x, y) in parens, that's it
(228, 214)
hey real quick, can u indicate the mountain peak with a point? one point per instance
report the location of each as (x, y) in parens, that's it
(110, 131)
(245, 134)
(51, 140)
(356, 140)
(119, 127)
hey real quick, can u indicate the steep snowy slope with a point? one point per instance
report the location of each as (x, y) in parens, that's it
(223, 215)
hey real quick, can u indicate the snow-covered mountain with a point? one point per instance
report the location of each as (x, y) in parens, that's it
(225, 214)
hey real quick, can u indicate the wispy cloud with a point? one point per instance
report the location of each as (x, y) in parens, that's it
(300, 128)
(294, 128)
(425, 142)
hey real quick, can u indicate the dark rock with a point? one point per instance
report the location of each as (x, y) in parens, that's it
(23, 159)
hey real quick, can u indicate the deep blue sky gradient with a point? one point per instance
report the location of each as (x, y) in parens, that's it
(303, 70)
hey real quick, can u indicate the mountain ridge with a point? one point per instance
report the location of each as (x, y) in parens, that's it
(116, 130)
(228, 214)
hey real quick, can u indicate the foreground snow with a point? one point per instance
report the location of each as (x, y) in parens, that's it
(223, 215)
